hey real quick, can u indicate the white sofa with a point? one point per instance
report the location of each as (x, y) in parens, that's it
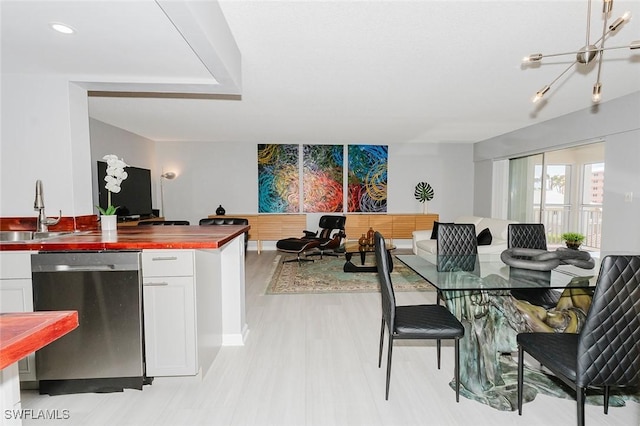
(424, 246)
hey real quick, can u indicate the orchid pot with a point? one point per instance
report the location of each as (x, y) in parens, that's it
(108, 223)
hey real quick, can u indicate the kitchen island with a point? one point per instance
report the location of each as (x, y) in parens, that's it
(22, 334)
(193, 287)
(135, 238)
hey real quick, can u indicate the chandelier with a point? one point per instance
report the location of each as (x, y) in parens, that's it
(591, 51)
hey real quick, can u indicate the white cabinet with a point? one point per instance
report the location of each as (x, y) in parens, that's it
(169, 312)
(16, 295)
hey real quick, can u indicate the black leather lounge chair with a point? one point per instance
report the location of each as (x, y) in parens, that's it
(312, 241)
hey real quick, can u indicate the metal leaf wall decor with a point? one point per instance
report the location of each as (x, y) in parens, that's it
(423, 192)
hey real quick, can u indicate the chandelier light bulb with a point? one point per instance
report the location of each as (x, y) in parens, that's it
(597, 88)
(536, 57)
(621, 20)
(540, 93)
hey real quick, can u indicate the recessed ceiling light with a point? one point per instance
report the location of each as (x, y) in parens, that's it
(62, 28)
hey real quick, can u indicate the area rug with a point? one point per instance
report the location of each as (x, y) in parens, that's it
(326, 276)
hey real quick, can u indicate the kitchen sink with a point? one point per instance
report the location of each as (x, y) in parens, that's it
(29, 235)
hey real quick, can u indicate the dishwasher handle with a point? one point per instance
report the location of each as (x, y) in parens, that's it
(70, 262)
(80, 268)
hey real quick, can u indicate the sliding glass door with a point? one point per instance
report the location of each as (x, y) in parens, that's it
(525, 183)
(591, 206)
(561, 189)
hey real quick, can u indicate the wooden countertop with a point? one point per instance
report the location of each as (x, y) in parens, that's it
(26, 332)
(136, 238)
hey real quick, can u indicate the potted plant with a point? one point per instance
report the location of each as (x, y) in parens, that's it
(423, 193)
(572, 239)
(115, 176)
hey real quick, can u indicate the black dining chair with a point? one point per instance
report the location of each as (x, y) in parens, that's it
(433, 322)
(226, 221)
(457, 247)
(164, 223)
(533, 236)
(606, 352)
(527, 235)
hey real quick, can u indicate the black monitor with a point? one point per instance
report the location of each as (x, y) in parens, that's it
(134, 197)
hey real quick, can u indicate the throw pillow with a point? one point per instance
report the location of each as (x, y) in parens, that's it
(484, 237)
(434, 231)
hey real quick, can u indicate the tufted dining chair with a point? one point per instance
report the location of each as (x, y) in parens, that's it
(606, 352)
(457, 247)
(226, 221)
(164, 223)
(433, 322)
(533, 236)
(527, 235)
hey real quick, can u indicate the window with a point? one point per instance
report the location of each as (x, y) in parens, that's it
(562, 189)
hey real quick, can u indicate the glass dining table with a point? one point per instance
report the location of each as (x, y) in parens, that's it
(477, 289)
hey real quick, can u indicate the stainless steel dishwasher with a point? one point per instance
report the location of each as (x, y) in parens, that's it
(106, 352)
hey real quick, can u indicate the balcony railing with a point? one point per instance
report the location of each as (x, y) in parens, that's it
(560, 219)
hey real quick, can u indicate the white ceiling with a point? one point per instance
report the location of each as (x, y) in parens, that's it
(324, 71)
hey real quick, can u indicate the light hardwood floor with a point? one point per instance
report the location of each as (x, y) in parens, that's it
(312, 360)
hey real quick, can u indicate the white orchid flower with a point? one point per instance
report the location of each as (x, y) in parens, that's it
(115, 176)
(112, 187)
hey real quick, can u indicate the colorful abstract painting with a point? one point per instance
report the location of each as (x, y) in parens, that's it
(278, 179)
(322, 169)
(367, 171)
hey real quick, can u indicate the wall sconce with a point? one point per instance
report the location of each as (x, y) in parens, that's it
(168, 176)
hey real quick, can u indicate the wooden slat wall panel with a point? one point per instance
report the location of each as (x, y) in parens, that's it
(403, 225)
(273, 227)
(382, 224)
(356, 225)
(399, 226)
(425, 221)
(270, 227)
(292, 225)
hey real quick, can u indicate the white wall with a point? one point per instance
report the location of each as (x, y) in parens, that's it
(212, 174)
(45, 135)
(447, 167)
(208, 174)
(621, 227)
(617, 123)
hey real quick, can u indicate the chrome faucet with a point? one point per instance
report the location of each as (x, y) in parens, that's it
(42, 225)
